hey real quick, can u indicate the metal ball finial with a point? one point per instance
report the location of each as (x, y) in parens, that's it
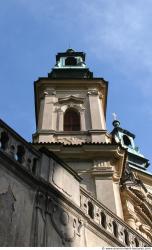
(115, 122)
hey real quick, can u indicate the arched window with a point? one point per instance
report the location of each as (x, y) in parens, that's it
(71, 120)
(70, 61)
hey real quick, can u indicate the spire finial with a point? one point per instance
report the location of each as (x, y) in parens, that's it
(115, 122)
(114, 116)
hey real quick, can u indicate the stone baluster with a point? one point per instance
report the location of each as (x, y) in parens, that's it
(97, 215)
(84, 202)
(109, 224)
(121, 233)
(132, 240)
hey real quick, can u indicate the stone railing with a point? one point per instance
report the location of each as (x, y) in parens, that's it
(18, 149)
(111, 223)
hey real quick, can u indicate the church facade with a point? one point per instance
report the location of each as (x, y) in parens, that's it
(76, 184)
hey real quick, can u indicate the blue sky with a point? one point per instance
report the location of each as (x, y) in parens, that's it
(117, 38)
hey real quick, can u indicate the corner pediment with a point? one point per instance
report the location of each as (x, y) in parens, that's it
(70, 99)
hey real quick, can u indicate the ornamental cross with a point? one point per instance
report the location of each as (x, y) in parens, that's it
(114, 116)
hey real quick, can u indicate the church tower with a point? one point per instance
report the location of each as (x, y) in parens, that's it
(75, 184)
(70, 109)
(70, 103)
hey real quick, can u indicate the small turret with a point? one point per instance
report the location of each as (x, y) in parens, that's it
(70, 64)
(127, 140)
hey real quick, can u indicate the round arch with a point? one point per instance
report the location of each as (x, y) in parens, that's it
(71, 120)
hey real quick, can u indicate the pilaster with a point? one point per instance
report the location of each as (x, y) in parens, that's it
(46, 119)
(95, 111)
(60, 120)
(82, 119)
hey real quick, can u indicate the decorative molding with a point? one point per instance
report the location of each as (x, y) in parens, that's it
(100, 164)
(71, 99)
(93, 92)
(72, 139)
(130, 179)
(137, 209)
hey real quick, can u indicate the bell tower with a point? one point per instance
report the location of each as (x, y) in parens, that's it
(70, 107)
(70, 103)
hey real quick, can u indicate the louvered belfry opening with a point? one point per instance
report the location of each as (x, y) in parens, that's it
(71, 120)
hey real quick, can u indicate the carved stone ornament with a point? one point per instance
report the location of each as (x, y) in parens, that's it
(51, 91)
(129, 179)
(48, 92)
(93, 92)
(66, 225)
(146, 230)
(100, 164)
(72, 140)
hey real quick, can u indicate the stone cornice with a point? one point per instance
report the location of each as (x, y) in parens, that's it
(112, 152)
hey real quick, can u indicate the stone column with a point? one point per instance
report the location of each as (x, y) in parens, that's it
(40, 115)
(47, 115)
(60, 120)
(94, 110)
(82, 119)
(102, 111)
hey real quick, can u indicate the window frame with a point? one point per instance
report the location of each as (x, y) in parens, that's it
(70, 126)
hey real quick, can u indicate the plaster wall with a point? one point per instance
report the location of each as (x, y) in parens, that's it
(17, 201)
(60, 178)
(105, 192)
(99, 185)
(96, 240)
(83, 169)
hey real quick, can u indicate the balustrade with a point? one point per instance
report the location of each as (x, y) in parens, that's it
(18, 149)
(110, 222)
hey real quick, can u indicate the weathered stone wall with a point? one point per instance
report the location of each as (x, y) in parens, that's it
(43, 204)
(16, 209)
